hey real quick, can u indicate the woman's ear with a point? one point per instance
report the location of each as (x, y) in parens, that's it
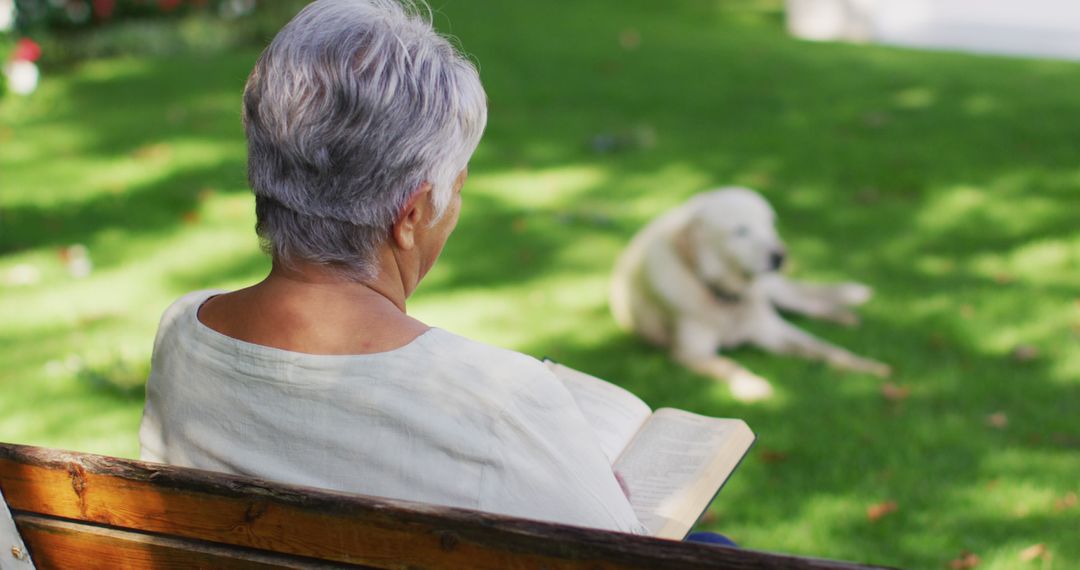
(413, 217)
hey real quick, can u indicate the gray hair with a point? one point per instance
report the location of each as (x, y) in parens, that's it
(354, 106)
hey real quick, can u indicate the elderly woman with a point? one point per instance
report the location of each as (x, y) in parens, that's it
(360, 122)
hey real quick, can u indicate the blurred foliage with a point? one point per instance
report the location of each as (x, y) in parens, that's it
(7, 42)
(32, 15)
(71, 31)
(5, 53)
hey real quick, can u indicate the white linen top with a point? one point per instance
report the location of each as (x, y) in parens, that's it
(442, 420)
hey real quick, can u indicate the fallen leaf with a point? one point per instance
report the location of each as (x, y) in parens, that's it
(152, 151)
(76, 259)
(1034, 551)
(1025, 353)
(630, 39)
(868, 195)
(607, 67)
(94, 318)
(1067, 502)
(998, 420)
(205, 194)
(967, 560)
(967, 311)
(772, 456)
(190, 217)
(895, 392)
(876, 119)
(1065, 440)
(876, 512)
(1003, 278)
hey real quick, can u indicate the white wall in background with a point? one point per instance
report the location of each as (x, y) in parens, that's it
(7, 14)
(1046, 28)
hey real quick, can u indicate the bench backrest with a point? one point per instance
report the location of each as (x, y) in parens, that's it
(77, 510)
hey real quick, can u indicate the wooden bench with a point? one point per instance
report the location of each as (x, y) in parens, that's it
(82, 511)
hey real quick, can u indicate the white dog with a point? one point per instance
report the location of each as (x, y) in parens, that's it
(704, 276)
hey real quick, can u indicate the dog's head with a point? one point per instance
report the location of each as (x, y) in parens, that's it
(732, 233)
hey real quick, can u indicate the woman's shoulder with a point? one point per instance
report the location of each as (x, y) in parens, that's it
(185, 305)
(471, 352)
(454, 349)
(195, 298)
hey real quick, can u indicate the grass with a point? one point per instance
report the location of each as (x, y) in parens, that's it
(948, 182)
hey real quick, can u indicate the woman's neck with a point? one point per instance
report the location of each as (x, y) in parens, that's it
(311, 309)
(312, 280)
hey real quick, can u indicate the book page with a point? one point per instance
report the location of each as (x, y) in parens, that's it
(615, 414)
(676, 464)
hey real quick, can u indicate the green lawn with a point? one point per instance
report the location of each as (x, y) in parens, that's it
(950, 183)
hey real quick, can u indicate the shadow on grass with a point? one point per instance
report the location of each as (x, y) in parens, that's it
(934, 451)
(133, 108)
(125, 104)
(499, 243)
(940, 179)
(152, 209)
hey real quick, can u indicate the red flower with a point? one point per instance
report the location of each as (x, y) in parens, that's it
(104, 9)
(26, 50)
(169, 5)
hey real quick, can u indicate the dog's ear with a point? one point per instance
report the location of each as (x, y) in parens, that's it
(705, 251)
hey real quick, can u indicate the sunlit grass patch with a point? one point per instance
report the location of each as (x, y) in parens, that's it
(947, 182)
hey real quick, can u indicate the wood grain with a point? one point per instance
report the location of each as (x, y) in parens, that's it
(339, 527)
(66, 544)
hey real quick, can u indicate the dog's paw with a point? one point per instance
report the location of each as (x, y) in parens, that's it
(880, 370)
(852, 293)
(873, 367)
(843, 317)
(844, 360)
(749, 387)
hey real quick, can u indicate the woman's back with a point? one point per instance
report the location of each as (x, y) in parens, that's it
(442, 420)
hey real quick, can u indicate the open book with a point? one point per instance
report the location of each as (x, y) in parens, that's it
(672, 462)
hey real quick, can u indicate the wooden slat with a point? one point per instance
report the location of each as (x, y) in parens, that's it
(59, 544)
(320, 524)
(13, 552)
